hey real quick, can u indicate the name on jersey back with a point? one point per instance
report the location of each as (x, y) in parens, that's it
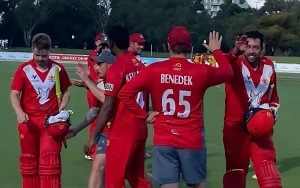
(176, 79)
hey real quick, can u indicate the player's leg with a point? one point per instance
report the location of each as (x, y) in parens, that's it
(91, 103)
(117, 155)
(50, 160)
(93, 149)
(263, 157)
(96, 179)
(193, 167)
(29, 158)
(165, 166)
(135, 170)
(237, 153)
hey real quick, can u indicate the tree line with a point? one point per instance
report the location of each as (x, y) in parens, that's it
(278, 20)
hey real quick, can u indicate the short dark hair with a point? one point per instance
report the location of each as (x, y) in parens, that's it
(178, 50)
(120, 36)
(41, 41)
(256, 35)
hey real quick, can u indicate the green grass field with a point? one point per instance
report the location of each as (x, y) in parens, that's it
(278, 59)
(76, 169)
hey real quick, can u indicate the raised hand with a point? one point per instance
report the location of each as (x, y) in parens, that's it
(240, 45)
(214, 41)
(82, 72)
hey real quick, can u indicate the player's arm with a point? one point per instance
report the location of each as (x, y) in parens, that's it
(221, 74)
(15, 101)
(114, 79)
(97, 92)
(274, 99)
(90, 116)
(129, 92)
(16, 90)
(65, 83)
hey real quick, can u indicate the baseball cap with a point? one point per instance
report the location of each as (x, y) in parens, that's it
(99, 36)
(105, 57)
(260, 123)
(179, 37)
(137, 37)
(104, 39)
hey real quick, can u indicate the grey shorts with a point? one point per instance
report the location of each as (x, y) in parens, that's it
(101, 144)
(169, 162)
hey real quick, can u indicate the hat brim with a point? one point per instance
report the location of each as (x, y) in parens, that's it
(97, 59)
(140, 41)
(110, 59)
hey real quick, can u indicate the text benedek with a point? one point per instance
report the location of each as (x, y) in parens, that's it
(175, 79)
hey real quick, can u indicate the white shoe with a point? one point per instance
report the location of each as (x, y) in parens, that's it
(88, 157)
(254, 177)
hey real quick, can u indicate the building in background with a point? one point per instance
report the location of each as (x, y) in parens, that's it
(213, 6)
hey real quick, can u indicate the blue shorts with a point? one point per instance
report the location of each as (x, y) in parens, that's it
(169, 162)
(101, 144)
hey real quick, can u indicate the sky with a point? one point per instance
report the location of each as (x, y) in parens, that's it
(252, 3)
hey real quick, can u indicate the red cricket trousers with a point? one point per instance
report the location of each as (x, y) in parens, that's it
(240, 147)
(40, 160)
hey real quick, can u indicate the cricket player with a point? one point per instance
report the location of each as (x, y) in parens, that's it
(127, 134)
(91, 99)
(33, 97)
(136, 45)
(104, 60)
(253, 92)
(178, 142)
(262, 56)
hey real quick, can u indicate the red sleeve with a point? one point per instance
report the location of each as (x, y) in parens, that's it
(127, 95)
(65, 82)
(274, 100)
(18, 80)
(230, 57)
(221, 74)
(114, 80)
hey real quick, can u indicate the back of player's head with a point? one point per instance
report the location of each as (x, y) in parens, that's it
(41, 41)
(119, 36)
(256, 35)
(179, 40)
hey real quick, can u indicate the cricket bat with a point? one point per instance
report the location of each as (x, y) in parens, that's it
(58, 94)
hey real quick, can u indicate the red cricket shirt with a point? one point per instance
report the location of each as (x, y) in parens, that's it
(92, 100)
(38, 88)
(177, 88)
(249, 87)
(124, 123)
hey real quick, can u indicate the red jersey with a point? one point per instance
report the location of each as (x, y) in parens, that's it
(124, 123)
(93, 101)
(38, 96)
(177, 88)
(249, 87)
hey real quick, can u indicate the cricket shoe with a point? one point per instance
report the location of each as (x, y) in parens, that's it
(254, 177)
(88, 157)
